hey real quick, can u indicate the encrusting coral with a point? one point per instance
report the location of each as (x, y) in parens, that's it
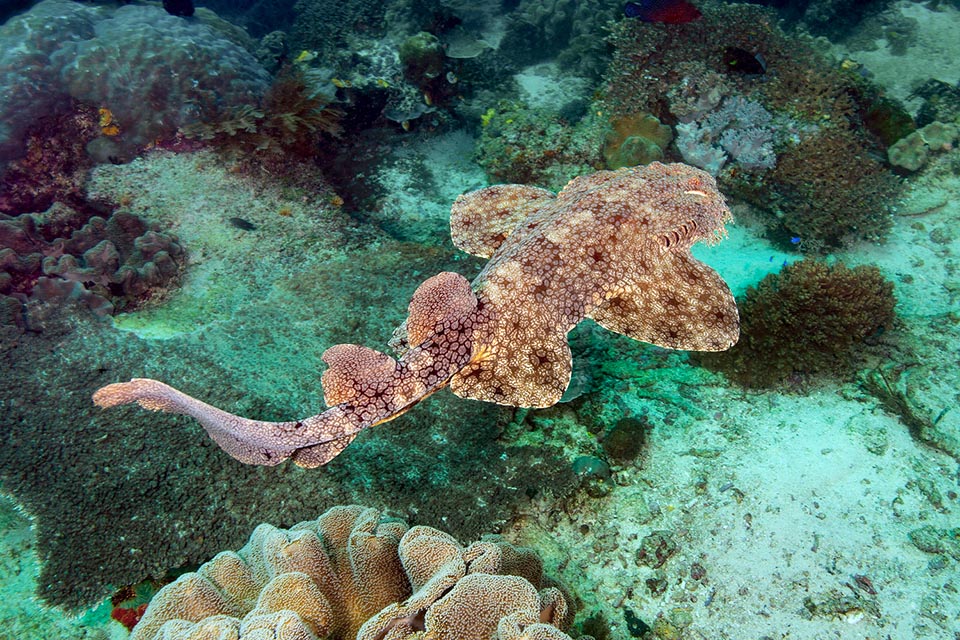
(613, 246)
(353, 573)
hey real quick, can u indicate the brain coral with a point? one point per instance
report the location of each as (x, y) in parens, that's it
(353, 573)
(153, 71)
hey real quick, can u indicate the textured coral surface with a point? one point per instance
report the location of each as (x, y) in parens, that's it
(104, 263)
(153, 71)
(354, 573)
(811, 318)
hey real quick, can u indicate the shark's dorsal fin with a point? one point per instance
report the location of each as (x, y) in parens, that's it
(481, 220)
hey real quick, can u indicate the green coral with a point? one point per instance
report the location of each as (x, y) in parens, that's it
(810, 318)
(523, 145)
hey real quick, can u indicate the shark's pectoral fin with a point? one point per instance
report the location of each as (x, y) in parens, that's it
(320, 454)
(354, 372)
(522, 361)
(481, 220)
(680, 304)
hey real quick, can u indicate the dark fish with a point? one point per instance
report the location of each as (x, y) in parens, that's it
(742, 61)
(669, 11)
(240, 223)
(179, 7)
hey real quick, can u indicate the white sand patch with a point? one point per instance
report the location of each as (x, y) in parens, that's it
(780, 501)
(933, 55)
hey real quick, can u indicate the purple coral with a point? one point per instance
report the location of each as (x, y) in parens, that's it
(107, 264)
(740, 131)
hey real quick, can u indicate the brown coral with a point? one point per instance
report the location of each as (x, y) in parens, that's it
(354, 574)
(831, 190)
(635, 139)
(811, 318)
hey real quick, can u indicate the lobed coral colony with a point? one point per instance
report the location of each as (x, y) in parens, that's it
(353, 573)
(613, 246)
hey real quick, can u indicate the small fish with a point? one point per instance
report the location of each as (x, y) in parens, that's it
(240, 223)
(340, 83)
(795, 240)
(305, 56)
(668, 11)
(742, 61)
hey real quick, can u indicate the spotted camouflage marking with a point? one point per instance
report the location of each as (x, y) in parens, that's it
(613, 246)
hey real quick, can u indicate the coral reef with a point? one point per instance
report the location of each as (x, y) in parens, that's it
(354, 573)
(572, 31)
(533, 146)
(290, 123)
(325, 26)
(793, 118)
(941, 102)
(55, 165)
(121, 58)
(831, 191)
(108, 264)
(912, 151)
(811, 318)
(738, 130)
(634, 140)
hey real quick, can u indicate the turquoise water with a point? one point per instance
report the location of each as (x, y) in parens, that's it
(214, 200)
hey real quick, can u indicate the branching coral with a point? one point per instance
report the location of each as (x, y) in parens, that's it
(740, 130)
(353, 573)
(831, 190)
(811, 318)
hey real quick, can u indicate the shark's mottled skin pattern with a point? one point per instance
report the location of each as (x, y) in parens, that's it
(613, 246)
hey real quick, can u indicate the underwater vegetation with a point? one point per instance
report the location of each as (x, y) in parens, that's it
(810, 319)
(289, 123)
(355, 573)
